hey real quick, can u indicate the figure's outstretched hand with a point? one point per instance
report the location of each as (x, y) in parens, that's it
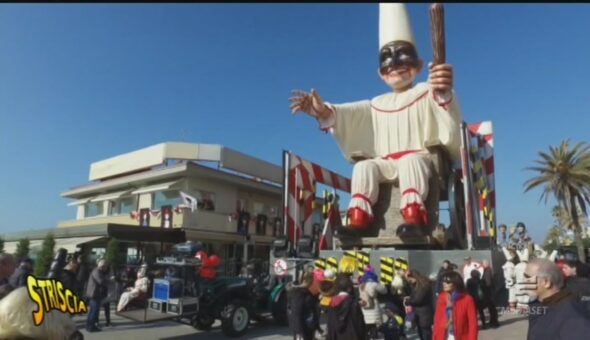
(308, 102)
(441, 77)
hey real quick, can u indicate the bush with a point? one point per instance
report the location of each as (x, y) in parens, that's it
(45, 256)
(22, 249)
(1, 245)
(113, 255)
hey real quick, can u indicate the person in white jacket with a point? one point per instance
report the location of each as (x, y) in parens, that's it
(369, 289)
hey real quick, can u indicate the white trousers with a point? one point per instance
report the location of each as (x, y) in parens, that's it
(412, 171)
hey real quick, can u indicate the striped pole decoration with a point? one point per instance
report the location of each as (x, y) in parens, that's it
(302, 178)
(483, 168)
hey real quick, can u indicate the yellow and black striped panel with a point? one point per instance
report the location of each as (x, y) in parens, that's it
(364, 259)
(401, 264)
(320, 263)
(332, 263)
(386, 270)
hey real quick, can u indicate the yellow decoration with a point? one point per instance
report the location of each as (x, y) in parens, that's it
(348, 265)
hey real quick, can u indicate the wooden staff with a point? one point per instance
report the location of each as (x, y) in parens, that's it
(437, 26)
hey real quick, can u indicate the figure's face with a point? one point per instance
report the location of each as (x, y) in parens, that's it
(399, 65)
(445, 265)
(400, 78)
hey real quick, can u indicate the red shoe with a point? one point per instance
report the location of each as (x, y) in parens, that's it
(415, 215)
(359, 219)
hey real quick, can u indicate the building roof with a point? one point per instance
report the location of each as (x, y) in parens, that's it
(157, 155)
(150, 166)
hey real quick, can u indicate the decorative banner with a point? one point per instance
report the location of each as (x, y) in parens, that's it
(482, 146)
(243, 223)
(261, 224)
(166, 221)
(155, 213)
(144, 217)
(134, 215)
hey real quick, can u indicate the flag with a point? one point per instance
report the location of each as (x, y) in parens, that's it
(189, 201)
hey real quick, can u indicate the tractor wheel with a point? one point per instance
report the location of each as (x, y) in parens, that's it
(203, 322)
(77, 335)
(279, 310)
(457, 211)
(235, 319)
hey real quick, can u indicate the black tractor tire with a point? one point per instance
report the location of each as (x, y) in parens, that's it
(235, 319)
(279, 310)
(77, 335)
(203, 322)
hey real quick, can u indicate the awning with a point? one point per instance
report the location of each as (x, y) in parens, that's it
(146, 234)
(70, 244)
(80, 202)
(110, 196)
(155, 187)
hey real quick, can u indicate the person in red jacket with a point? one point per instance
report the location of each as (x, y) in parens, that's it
(455, 317)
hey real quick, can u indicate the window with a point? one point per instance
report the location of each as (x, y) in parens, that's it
(162, 198)
(125, 205)
(94, 209)
(205, 200)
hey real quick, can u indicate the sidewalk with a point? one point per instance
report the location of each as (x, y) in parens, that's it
(512, 326)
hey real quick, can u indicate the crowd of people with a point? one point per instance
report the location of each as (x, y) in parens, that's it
(363, 307)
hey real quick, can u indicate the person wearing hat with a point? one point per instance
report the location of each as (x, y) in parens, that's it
(369, 289)
(388, 135)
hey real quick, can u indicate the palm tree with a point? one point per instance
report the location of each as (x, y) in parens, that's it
(564, 174)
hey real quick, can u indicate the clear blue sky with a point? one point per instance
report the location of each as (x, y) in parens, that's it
(81, 83)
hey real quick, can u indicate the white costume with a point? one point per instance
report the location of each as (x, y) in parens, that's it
(372, 312)
(141, 286)
(392, 129)
(467, 269)
(522, 298)
(510, 277)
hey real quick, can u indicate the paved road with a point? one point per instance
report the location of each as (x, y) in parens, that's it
(512, 327)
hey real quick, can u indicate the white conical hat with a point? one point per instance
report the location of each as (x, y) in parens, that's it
(394, 24)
